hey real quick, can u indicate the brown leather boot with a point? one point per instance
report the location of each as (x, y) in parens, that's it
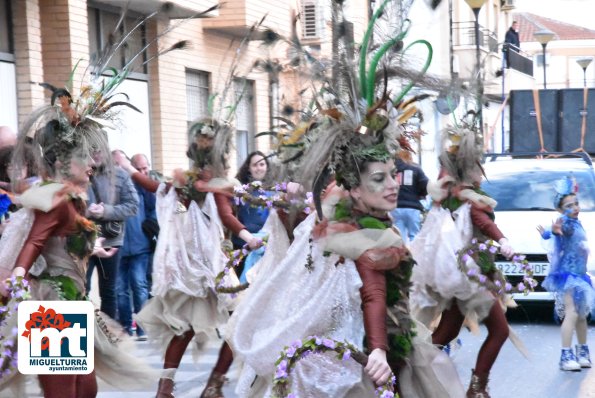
(478, 386)
(214, 385)
(165, 388)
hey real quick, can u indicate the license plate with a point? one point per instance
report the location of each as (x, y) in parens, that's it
(539, 269)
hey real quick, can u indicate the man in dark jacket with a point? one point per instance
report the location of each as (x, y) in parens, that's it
(511, 42)
(412, 188)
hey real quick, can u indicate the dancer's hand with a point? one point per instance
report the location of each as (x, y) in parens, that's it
(252, 241)
(505, 248)
(377, 367)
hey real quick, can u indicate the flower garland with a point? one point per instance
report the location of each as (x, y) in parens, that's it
(235, 258)
(255, 195)
(483, 254)
(300, 349)
(18, 291)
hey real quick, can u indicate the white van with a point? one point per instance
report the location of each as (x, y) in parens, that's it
(523, 186)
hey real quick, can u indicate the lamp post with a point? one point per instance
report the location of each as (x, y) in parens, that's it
(544, 36)
(584, 64)
(476, 7)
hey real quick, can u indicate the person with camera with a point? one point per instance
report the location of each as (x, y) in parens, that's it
(112, 199)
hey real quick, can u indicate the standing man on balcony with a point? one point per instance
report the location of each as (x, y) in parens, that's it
(511, 42)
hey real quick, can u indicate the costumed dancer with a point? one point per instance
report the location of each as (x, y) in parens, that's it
(461, 212)
(567, 277)
(192, 211)
(49, 241)
(346, 273)
(348, 260)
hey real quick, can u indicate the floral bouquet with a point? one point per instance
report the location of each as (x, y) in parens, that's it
(17, 289)
(486, 273)
(300, 349)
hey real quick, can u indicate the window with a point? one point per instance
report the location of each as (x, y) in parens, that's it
(102, 25)
(197, 95)
(310, 20)
(244, 97)
(6, 37)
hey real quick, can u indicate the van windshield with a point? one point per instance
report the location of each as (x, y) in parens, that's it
(534, 190)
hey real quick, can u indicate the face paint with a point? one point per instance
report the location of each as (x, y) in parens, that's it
(378, 189)
(570, 206)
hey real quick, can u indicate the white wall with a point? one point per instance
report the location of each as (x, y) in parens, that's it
(133, 134)
(8, 95)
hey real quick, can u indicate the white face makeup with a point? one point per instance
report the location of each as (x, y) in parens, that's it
(379, 189)
(80, 170)
(258, 167)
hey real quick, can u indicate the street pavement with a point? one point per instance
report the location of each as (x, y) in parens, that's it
(512, 375)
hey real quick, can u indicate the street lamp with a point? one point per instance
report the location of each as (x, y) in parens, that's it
(543, 36)
(476, 7)
(584, 64)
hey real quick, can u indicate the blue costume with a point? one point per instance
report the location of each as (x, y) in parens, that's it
(568, 268)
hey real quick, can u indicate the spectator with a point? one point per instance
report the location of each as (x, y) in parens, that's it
(150, 226)
(254, 168)
(511, 42)
(135, 256)
(111, 198)
(412, 188)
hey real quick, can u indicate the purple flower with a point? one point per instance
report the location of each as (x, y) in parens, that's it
(236, 200)
(297, 344)
(269, 203)
(473, 241)
(482, 246)
(465, 257)
(498, 283)
(472, 272)
(307, 210)
(388, 394)
(520, 286)
(508, 287)
(305, 354)
(281, 372)
(393, 380)
(226, 270)
(346, 355)
(318, 340)
(290, 351)
(328, 343)
(493, 249)
(482, 278)
(291, 395)
(284, 186)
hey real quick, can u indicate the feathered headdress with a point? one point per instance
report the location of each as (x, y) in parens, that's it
(73, 123)
(564, 186)
(355, 117)
(461, 154)
(218, 126)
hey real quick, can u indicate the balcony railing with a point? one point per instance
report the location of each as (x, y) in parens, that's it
(464, 35)
(517, 59)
